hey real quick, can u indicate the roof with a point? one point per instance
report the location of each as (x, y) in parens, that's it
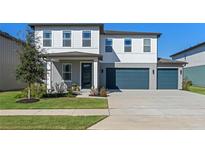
(73, 54)
(188, 49)
(8, 36)
(111, 32)
(105, 32)
(32, 25)
(169, 61)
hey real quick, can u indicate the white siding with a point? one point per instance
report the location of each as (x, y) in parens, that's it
(136, 56)
(194, 57)
(76, 38)
(98, 44)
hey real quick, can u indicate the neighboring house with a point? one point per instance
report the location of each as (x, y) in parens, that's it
(9, 59)
(90, 56)
(195, 69)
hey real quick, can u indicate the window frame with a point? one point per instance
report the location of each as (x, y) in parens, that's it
(146, 45)
(87, 31)
(109, 45)
(67, 31)
(128, 45)
(67, 72)
(48, 31)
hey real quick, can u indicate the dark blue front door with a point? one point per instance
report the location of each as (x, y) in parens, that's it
(127, 78)
(86, 75)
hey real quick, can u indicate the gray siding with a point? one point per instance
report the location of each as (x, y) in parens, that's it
(76, 72)
(57, 72)
(195, 74)
(9, 59)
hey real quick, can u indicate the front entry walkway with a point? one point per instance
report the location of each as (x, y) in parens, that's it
(157, 109)
(70, 112)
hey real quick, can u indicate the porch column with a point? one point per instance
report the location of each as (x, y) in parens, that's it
(48, 81)
(95, 74)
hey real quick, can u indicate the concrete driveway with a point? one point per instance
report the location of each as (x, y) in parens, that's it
(158, 109)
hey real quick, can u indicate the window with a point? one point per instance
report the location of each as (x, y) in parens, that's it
(66, 72)
(86, 38)
(66, 39)
(147, 45)
(108, 45)
(47, 39)
(128, 45)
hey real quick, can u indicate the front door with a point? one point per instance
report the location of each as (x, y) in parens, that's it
(86, 75)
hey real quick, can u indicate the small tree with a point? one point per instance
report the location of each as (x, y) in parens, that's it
(31, 67)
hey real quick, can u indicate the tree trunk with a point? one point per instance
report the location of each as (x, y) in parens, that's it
(29, 91)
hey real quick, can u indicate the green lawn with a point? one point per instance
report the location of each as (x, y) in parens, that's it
(195, 89)
(48, 122)
(8, 101)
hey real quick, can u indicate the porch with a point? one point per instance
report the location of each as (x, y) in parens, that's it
(73, 67)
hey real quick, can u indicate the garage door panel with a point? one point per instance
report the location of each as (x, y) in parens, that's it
(167, 78)
(127, 78)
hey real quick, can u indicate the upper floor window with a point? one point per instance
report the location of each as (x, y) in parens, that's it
(67, 72)
(108, 45)
(86, 38)
(127, 45)
(147, 45)
(47, 38)
(66, 39)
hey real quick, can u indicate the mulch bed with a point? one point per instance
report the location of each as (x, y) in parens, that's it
(26, 100)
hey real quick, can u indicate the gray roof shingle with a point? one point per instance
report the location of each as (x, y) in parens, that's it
(188, 49)
(169, 61)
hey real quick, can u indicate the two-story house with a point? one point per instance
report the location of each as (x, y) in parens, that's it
(90, 56)
(195, 68)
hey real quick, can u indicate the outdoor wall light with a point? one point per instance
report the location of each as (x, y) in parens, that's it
(101, 70)
(152, 71)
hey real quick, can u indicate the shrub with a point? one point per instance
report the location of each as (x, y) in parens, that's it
(71, 93)
(75, 87)
(60, 88)
(186, 84)
(54, 95)
(103, 92)
(37, 91)
(94, 92)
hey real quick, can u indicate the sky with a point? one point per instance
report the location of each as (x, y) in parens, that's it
(175, 37)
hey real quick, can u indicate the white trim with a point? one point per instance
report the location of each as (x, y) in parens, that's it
(168, 67)
(95, 74)
(74, 48)
(48, 75)
(67, 72)
(81, 62)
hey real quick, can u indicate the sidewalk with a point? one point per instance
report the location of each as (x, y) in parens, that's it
(70, 112)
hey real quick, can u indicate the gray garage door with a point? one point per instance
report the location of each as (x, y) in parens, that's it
(167, 78)
(127, 78)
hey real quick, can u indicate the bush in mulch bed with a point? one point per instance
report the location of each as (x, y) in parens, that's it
(102, 92)
(26, 100)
